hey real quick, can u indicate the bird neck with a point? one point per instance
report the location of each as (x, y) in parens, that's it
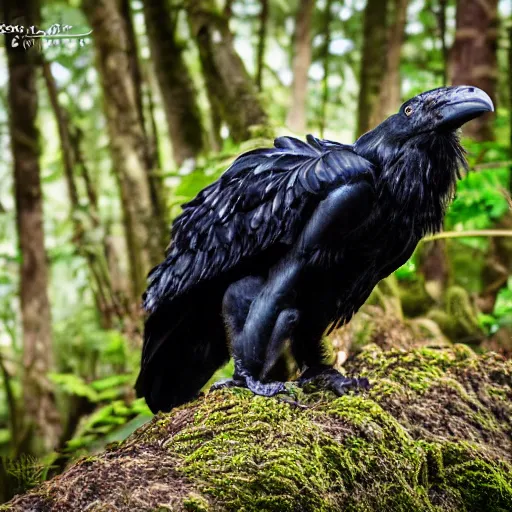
(418, 174)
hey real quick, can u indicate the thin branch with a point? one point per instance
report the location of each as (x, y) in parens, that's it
(470, 234)
(491, 165)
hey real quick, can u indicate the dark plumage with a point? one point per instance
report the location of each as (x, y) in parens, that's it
(290, 241)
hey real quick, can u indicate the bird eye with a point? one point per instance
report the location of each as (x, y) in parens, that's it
(408, 110)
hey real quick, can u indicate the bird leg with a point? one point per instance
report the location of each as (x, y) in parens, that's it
(254, 356)
(327, 378)
(283, 330)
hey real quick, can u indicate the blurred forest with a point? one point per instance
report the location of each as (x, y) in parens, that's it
(103, 135)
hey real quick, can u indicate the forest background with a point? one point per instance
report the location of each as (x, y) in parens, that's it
(104, 134)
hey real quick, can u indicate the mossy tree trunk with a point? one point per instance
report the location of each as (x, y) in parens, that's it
(474, 56)
(433, 434)
(229, 86)
(145, 227)
(176, 85)
(296, 119)
(39, 410)
(373, 64)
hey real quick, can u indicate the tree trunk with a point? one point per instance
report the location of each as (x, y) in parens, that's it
(390, 94)
(373, 63)
(38, 399)
(302, 60)
(109, 300)
(151, 124)
(510, 100)
(229, 86)
(144, 224)
(433, 433)
(157, 188)
(262, 42)
(441, 22)
(133, 57)
(176, 86)
(474, 57)
(325, 56)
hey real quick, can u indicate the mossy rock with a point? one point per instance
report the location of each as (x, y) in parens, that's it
(433, 434)
(459, 319)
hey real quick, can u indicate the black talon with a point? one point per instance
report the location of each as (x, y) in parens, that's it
(332, 380)
(248, 382)
(227, 383)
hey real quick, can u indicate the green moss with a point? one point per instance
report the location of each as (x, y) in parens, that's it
(432, 435)
(196, 503)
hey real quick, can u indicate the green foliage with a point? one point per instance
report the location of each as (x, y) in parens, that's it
(96, 365)
(100, 390)
(85, 348)
(502, 313)
(109, 423)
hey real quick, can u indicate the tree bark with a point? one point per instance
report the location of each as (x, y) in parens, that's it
(474, 56)
(301, 62)
(262, 43)
(230, 88)
(156, 186)
(143, 221)
(325, 61)
(133, 56)
(441, 23)
(40, 411)
(373, 63)
(176, 85)
(390, 94)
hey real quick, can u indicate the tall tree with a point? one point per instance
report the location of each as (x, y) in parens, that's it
(156, 187)
(38, 399)
(230, 89)
(262, 43)
(296, 119)
(441, 15)
(325, 56)
(109, 296)
(144, 225)
(373, 63)
(474, 56)
(133, 55)
(390, 88)
(176, 86)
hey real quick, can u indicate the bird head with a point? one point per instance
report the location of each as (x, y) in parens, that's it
(417, 152)
(441, 110)
(431, 116)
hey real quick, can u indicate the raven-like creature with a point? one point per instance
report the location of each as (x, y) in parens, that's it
(290, 241)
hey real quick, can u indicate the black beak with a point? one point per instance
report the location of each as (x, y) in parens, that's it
(462, 104)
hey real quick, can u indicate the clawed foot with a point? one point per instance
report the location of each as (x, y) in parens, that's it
(257, 387)
(313, 379)
(331, 380)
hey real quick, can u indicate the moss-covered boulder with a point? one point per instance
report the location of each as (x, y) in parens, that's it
(433, 434)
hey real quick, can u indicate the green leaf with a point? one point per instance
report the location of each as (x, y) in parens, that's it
(74, 385)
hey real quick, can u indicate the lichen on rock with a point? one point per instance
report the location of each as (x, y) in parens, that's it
(433, 434)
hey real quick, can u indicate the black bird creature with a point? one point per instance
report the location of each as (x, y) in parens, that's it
(290, 241)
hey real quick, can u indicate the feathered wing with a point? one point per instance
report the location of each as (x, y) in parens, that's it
(263, 200)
